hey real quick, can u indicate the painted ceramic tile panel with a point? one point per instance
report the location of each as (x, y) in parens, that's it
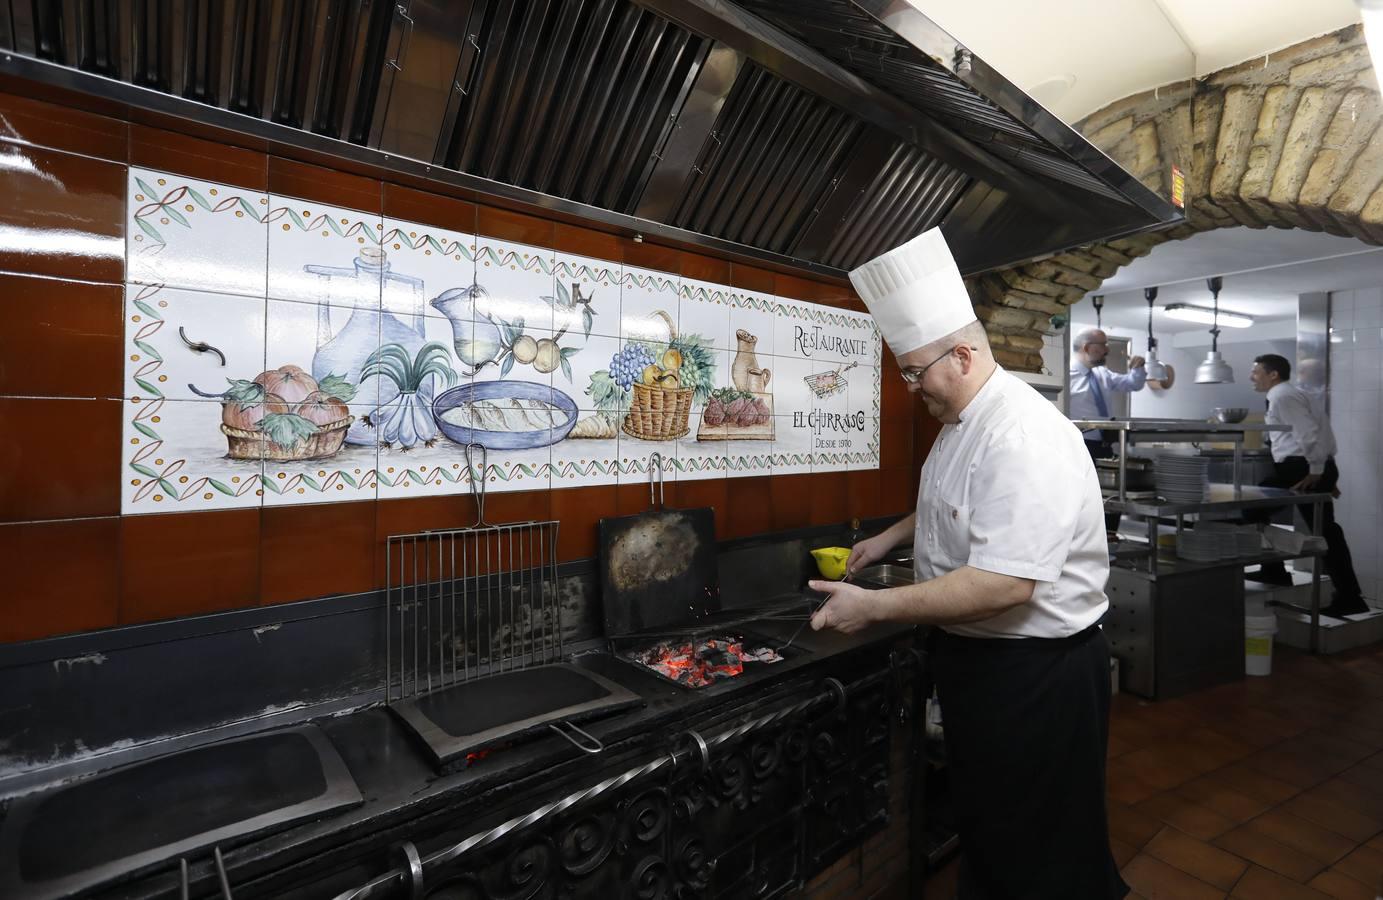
(516, 284)
(397, 345)
(704, 309)
(350, 473)
(753, 313)
(795, 417)
(648, 303)
(176, 458)
(587, 294)
(327, 254)
(704, 451)
(194, 234)
(165, 322)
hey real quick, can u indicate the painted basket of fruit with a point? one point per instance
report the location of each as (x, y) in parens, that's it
(284, 414)
(659, 412)
(651, 385)
(325, 441)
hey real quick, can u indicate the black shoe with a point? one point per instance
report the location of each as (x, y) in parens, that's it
(1275, 577)
(1345, 606)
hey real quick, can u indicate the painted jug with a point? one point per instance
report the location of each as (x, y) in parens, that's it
(376, 297)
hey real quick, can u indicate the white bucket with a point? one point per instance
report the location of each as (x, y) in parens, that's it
(1258, 644)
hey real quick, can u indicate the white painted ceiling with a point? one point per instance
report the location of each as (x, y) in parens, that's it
(1264, 271)
(1075, 56)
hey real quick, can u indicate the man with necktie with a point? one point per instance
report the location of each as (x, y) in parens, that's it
(1092, 384)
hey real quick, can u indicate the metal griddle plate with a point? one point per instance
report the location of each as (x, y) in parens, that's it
(658, 570)
(473, 715)
(115, 824)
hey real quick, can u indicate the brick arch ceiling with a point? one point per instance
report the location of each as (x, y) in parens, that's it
(1288, 140)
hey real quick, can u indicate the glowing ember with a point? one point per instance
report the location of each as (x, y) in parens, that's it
(697, 664)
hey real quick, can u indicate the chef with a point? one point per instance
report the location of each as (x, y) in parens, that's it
(1011, 562)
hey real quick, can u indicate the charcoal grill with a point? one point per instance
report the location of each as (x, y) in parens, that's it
(659, 586)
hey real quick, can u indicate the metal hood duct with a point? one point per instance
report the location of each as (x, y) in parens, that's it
(808, 134)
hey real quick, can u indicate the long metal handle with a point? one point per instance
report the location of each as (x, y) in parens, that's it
(580, 743)
(221, 874)
(655, 468)
(478, 493)
(405, 37)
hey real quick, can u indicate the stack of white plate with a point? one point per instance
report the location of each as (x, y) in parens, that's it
(1199, 546)
(1182, 479)
(1250, 543)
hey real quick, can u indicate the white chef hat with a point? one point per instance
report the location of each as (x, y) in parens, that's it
(915, 292)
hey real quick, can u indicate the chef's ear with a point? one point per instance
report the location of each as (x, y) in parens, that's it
(966, 354)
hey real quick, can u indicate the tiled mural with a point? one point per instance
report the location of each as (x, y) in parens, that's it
(280, 351)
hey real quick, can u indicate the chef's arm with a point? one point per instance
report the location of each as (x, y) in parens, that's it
(898, 532)
(871, 550)
(956, 598)
(964, 595)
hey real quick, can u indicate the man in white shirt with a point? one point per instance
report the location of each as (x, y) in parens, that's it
(1092, 384)
(1011, 563)
(1304, 460)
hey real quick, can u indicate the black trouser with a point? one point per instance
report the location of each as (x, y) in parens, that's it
(1027, 729)
(1339, 565)
(1102, 449)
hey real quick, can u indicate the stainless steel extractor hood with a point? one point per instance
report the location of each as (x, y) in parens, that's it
(813, 134)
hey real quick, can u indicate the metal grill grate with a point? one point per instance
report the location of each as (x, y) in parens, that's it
(470, 602)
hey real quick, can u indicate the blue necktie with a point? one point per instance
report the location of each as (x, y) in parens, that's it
(1100, 405)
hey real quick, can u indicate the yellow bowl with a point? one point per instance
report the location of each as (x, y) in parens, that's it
(830, 561)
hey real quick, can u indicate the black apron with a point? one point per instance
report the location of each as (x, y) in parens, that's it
(1027, 728)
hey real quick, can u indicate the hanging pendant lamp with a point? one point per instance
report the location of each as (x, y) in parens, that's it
(1156, 371)
(1097, 301)
(1214, 370)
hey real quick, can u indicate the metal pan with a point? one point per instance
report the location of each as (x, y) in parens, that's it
(658, 568)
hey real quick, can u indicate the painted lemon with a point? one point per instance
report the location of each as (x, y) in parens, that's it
(525, 350)
(548, 356)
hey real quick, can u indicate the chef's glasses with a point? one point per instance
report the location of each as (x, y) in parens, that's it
(913, 375)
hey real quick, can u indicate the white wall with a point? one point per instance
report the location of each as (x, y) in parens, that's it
(1188, 400)
(1356, 404)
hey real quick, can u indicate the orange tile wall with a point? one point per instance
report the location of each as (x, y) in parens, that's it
(73, 563)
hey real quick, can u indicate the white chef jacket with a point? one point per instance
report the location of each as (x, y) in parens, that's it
(1311, 435)
(1081, 403)
(1011, 489)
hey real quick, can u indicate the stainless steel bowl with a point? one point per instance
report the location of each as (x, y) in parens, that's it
(1228, 415)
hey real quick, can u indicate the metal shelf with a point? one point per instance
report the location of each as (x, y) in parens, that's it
(1223, 498)
(1176, 565)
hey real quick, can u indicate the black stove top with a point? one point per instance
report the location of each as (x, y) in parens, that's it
(58, 841)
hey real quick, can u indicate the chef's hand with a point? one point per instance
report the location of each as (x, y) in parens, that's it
(864, 553)
(846, 608)
(1307, 483)
(1136, 362)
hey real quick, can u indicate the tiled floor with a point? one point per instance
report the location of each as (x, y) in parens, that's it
(1266, 789)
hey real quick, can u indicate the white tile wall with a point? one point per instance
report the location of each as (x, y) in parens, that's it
(277, 282)
(1356, 405)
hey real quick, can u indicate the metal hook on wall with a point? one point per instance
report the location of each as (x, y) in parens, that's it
(200, 346)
